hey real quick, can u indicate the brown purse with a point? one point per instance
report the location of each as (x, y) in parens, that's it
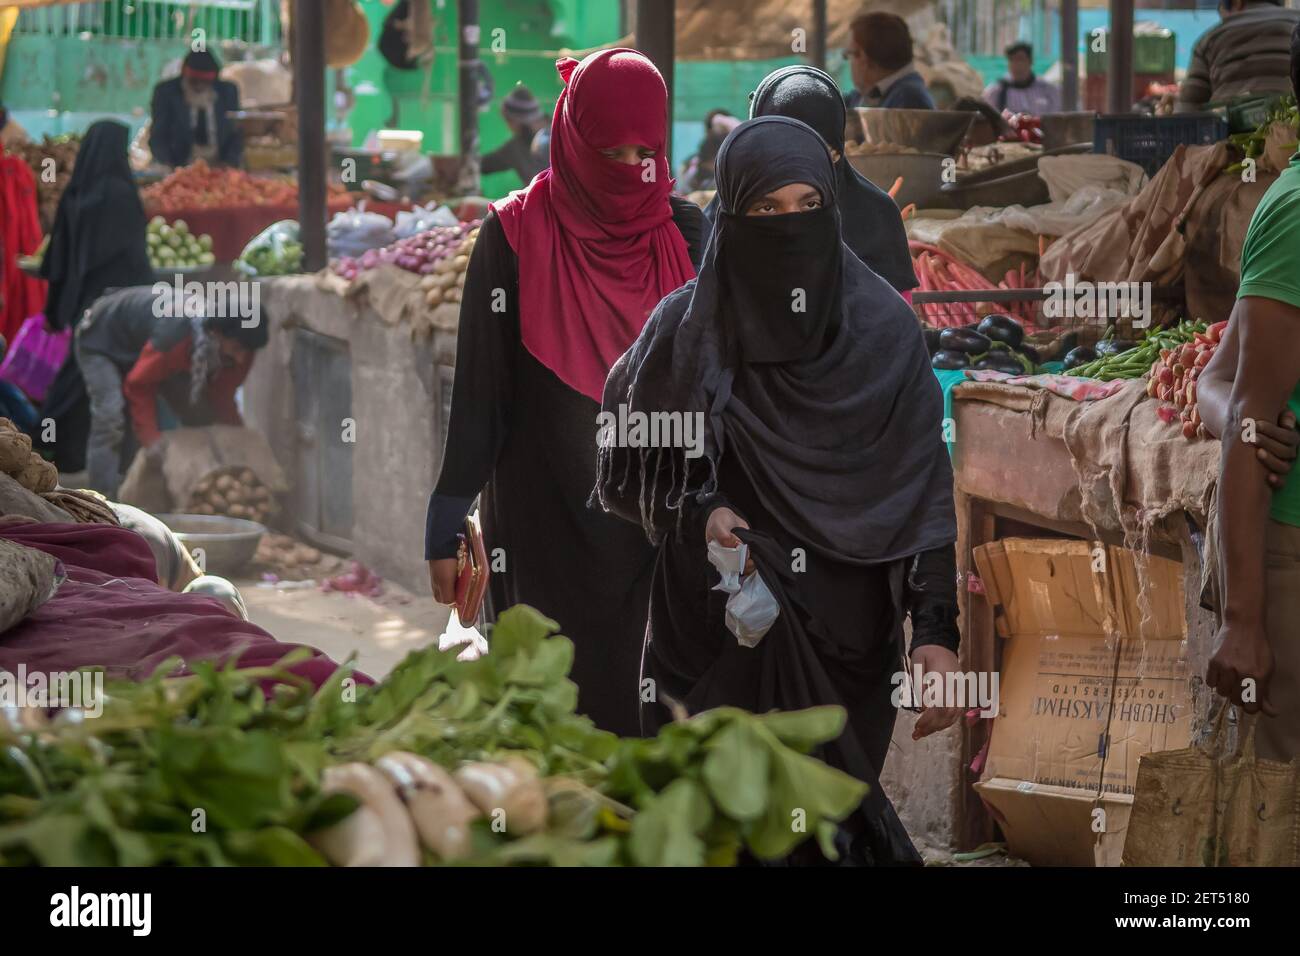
(471, 572)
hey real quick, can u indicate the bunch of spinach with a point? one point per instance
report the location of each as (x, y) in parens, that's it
(222, 767)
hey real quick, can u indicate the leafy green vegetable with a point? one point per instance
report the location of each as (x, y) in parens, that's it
(210, 769)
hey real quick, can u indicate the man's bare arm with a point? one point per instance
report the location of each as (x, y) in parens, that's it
(1268, 368)
(1277, 438)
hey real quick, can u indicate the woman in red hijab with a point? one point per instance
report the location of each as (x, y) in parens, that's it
(563, 277)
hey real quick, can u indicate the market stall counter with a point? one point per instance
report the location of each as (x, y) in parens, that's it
(354, 401)
(231, 227)
(1081, 550)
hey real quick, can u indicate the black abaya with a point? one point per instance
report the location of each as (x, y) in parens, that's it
(821, 431)
(531, 440)
(97, 243)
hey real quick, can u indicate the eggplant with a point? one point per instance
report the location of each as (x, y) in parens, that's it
(1081, 355)
(1114, 346)
(1031, 353)
(950, 359)
(964, 340)
(1002, 328)
(931, 340)
(1001, 362)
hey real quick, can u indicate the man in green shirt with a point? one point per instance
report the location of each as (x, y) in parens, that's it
(1254, 374)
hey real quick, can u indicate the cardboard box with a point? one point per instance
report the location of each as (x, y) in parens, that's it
(1070, 588)
(1094, 674)
(1077, 712)
(1054, 826)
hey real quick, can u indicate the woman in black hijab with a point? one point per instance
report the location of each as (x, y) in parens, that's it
(819, 445)
(97, 243)
(869, 219)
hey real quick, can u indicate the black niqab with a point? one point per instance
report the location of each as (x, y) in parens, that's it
(870, 221)
(97, 244)
(779, 274)
(845, 448)
(98, 239)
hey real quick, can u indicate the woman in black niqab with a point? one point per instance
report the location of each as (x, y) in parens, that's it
(821, 430)
(870, 220)
(97, 243)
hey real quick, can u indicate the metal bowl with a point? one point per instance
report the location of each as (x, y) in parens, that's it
(930, 131)
(228, 544)
(922, 175)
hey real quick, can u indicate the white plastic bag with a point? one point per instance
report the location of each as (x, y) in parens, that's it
(352, 233)
(422, 219)
(458, 634)
(751, 609)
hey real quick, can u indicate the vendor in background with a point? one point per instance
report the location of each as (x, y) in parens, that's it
(880, 60)
(528, 151)
(697, 172)
(1249, 396)
(190, 116)
(1248, 52)
(131, 357)
(1020, 91)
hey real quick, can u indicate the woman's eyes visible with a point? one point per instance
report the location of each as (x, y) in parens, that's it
(813, 204)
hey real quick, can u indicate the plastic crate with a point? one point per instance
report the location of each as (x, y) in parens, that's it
(1149, 141)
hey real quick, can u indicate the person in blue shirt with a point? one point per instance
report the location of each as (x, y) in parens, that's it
(880, 59)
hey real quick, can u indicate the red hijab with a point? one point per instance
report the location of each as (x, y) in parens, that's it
(595, 238)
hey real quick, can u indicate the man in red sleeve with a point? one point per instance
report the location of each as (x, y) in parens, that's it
(133, 353)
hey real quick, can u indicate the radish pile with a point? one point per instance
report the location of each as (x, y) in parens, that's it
(1173, 378)
(936, 271)
(420, 253)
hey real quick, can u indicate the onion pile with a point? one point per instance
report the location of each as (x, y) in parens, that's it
(448, 276)
(419, 253)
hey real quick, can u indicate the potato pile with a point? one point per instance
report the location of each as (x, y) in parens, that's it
(19, 462)
(234, 492)
(293, 560)
(448, 277)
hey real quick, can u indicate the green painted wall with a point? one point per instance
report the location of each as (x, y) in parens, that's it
(534, 30)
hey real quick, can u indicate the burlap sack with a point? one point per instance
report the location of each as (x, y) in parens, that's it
(28, 578)
(1143, 240)
(1132, 464)
(17, 501)
(189, 455)
(1201, 807)
(394, 294)
(85, 507)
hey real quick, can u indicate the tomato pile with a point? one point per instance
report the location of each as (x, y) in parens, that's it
(1173, 378)
(199, 186)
